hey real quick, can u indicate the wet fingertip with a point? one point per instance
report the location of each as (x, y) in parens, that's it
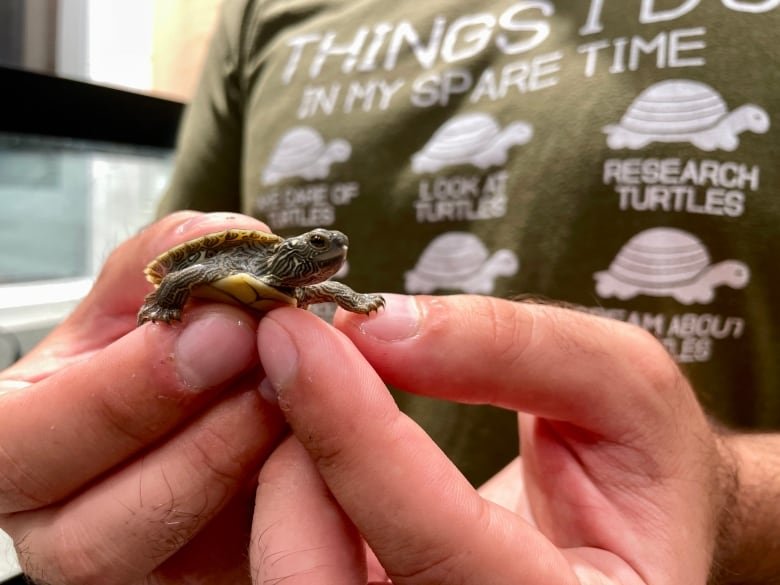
(398, 320)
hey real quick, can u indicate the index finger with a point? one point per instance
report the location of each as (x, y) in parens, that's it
(549, 361)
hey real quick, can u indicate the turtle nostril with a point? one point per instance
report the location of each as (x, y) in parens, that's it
(340, 240)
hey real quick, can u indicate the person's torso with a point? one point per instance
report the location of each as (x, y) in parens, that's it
(621, 156)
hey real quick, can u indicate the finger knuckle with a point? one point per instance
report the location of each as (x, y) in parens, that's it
(508, 327)
(659, 389)
(326, 452)
(640, 352)
(652, 360)
(424, 565)
(119, 413)
(129, 416)
(68, 560)
(19, 489)
(213, 453)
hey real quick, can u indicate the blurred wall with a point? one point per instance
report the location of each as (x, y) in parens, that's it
(182, 29)
(151, 46)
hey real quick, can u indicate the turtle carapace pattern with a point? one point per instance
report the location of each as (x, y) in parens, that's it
(254, 269)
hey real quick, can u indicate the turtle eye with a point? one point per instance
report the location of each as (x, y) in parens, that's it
(318, 241)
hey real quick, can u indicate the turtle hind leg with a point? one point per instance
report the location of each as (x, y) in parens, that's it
(342, 295)
(167, 301)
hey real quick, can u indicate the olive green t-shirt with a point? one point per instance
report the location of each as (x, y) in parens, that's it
(620, 156)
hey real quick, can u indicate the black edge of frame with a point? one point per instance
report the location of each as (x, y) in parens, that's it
(33, 103)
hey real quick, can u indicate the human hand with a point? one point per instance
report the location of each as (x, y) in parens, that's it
(621, 478)
(129, 454)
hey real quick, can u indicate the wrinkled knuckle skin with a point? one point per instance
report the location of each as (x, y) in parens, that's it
(427, 567)
(71, 561)
(504, 325)
(661, 390)
(510, 331)
(642, 353)
(326, 452)
(19, 490)
(212, 451)
(118, 411)
(68, 562)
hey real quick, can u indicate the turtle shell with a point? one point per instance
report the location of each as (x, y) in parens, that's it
(240, 288)
(660, 257)
(676, 106)
(453, 256)
(196, 250)
(465, 133)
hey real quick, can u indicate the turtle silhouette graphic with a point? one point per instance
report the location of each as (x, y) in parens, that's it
(474, 139)
(459, 261)
(680, 110)
(302, 152)
(667, 262)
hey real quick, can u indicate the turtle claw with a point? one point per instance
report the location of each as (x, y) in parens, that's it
(363, 304)
(154, 313)
(370, 303)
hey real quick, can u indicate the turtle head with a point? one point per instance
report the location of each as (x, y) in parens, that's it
(307, 259)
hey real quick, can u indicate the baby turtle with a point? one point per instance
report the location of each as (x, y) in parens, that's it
(254, 269)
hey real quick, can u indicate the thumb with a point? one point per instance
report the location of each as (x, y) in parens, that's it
(420, 516)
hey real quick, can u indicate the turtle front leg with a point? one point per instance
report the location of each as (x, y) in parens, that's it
(342, 295)
(167, 301)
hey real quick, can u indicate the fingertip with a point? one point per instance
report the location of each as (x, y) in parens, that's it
(398, 320)
(215, 343)
(98, 411)
(216, 221)
(324, 386)
(279, 354)
(297, 346)
(182, 226)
